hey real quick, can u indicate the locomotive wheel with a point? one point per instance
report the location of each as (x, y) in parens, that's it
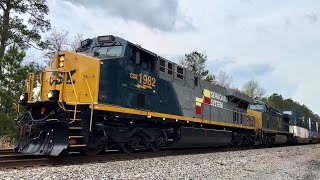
(233, 143)
(127, 148)
(96, 146)
(157, 144)
(91, 150)
(131, 145)
(154, 147)
(252, 141)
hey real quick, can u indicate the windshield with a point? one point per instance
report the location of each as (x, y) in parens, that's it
(114, 51)
(257, 107)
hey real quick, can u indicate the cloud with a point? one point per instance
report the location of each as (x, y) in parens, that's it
(274, 43)
(251, 71)
(220, 64)
(163, 15)
(246, 1)
(312, 18)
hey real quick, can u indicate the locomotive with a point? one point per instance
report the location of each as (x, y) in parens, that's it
(114, 94)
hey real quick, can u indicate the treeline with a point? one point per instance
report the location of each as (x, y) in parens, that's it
(196, 62)
(18, 34)
(12, 84)
(276, 100)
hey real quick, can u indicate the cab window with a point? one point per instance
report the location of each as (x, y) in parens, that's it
(143, 59)
(114, 51)
(179, 72)
(162, 65)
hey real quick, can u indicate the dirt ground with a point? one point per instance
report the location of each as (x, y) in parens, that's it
(6, 142)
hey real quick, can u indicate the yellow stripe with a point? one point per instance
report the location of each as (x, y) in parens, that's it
(143, 86)
(206, 93)
(104, 107)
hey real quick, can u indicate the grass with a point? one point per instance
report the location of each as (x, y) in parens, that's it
(6, 142)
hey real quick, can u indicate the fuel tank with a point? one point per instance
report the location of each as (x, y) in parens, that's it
(201, 137)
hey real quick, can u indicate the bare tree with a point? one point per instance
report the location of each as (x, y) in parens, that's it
(75, 43)
(253, 89)
(56, 41)
(224, 79)
(59, 40)
(211, 78)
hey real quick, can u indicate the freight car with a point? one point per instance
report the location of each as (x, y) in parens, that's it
(304, 129)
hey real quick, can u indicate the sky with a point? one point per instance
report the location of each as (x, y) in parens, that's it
(274, 42)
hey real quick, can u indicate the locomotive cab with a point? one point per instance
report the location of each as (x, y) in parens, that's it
(273, 126)
(53, 122)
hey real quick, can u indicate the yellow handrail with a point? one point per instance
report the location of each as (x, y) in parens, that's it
(30, 86)
(75, 94)
(85, 77)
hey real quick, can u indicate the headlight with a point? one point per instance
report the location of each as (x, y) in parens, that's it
(50, 95)
(61, 61)
(61, 64)
(62, 58)
(53, 95)
(22, 97)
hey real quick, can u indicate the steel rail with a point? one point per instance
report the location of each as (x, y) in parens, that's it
(28, 161)
(41, 161)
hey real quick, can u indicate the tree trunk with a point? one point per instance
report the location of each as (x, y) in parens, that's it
(5, 28)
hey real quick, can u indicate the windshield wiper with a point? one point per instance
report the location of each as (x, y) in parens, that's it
(108, 49)
(96, 51)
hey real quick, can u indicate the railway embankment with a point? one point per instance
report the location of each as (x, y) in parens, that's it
(290, 162)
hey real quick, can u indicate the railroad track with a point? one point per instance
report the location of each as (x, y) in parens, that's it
(20, 161)
(7, 151)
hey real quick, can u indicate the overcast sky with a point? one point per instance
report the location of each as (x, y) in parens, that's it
(274, 42)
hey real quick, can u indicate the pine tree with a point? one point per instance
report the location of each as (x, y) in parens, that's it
(12, 84)
(12, 78)
(14, 30)
(195, 62)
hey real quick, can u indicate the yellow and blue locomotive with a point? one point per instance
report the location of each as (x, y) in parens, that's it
(112, 93)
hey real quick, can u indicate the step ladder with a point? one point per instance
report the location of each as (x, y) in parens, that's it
(75, 124)
(75, 128)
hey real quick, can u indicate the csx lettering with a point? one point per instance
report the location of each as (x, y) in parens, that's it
(57, 78)
(69, 78)
(133, 76)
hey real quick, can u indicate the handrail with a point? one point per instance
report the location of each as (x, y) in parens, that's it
(75, 94)
(91, 114)
(30, 86)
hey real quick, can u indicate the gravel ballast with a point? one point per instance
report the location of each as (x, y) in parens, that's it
(291, 162)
